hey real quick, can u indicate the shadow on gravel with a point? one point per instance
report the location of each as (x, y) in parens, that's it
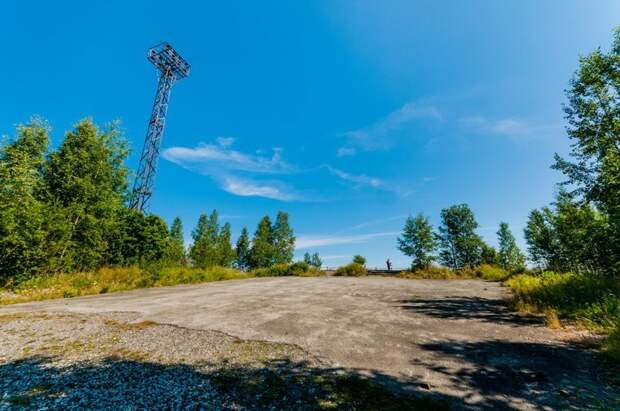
(505, 373)
(469, 308)
(114, 383)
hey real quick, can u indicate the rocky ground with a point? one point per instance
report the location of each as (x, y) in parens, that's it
(109, 361)
(297, 343)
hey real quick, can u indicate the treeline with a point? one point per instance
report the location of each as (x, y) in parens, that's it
(456, 244)
(65, 210)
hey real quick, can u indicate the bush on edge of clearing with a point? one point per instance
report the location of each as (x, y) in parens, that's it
(351, 270)
(298, 269)
(592, 301)
(434, 272)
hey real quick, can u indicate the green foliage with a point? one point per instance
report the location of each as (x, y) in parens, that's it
(488, 254)
(176, 249)
(568, 237)
(283, 240)
(299, 268)
(592, 301)
(85, 188)
(225, 252)
(418, 242)
(242, 250)
(510, 258)
(460, 246)
(23, 252)
(351, 270)
(593, 114)
(491, 272)
(358, 259)
(313, 260)
(261, 253)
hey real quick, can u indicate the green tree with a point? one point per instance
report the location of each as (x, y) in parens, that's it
(283, 240)
(176, 251)
(460, 246)
(242, 250)
(225, 251)
(204, 250)
(488, 254)
(510, 257)
(86, 184)
(542, 243)
(418, 242)
(23, 250)
(358, 259)
(593, 114)
(313, 260)
(261, 252)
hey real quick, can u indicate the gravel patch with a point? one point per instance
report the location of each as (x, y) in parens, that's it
(113, 361)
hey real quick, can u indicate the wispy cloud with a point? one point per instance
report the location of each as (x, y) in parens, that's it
(358, 179)
(346, 151)
(382, 133)
(209, 157)
(311, 241)
(235, 171)
(377, 222)
(510, 127)
(250, 188)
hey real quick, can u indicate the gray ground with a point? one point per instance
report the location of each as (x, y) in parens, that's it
(452, 339)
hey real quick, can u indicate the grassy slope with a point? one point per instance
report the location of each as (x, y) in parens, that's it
(106, 280)
(591, 301)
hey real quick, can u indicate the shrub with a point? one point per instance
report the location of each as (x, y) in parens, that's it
(432, 272)
(358, 259)
(298, 268)
(351, 270)
(491, 272)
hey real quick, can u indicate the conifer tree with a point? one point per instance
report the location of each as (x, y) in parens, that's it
(242, 250)
(283, 240)
(261, 253)
(176, 253)
(225, 251)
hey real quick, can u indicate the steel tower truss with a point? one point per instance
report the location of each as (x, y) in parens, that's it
(171, 68)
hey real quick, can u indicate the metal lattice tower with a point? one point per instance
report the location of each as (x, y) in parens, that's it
(171, 67)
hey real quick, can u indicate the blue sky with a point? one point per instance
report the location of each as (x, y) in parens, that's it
(349, 115)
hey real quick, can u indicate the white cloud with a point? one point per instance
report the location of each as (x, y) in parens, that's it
(510, 127)
(208, 157)
(311, 241)
(249, 188)
(359, 179)
(346, 151)
(225, 141)
(381, 134)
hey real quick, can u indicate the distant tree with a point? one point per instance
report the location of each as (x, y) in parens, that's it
(541, 237)
(417, 241)
(86, 183)
(358, 259)
(23, 251)
(176, 250)
(283, 240)
(204, 250)
(460, 246)
(510, 257)
(261, 252)
(225, 252)
(313, 260)
(593, 114)
(488, 254)
(242, 250)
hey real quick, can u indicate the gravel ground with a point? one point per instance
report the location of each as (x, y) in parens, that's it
(110, 361)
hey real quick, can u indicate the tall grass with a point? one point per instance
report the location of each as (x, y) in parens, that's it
(484, 272)
(591, 301)
(108, 280)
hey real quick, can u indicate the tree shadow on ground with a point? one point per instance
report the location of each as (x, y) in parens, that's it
(505, 374)
(469, 308)
(115, 383)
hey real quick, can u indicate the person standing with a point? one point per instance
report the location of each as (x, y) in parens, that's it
(389, 264)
